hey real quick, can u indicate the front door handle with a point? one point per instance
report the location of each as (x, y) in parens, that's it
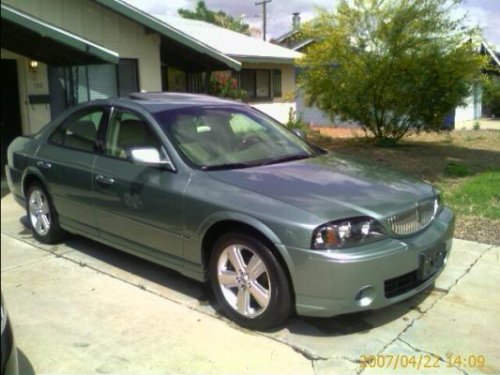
(105, 180)
(44, 164)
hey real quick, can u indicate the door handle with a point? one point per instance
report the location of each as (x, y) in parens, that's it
(44, 164)
(105, 180)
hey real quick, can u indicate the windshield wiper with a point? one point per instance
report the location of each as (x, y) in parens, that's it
(225, 166)
(281, 159)
(284, 159)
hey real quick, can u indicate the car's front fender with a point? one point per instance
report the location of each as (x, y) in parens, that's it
(195, 246)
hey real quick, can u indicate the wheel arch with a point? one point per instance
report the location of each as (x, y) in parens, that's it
(234, 222)
(31, 175)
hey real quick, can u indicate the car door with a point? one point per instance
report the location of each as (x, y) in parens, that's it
(137, 207)
(66, 161)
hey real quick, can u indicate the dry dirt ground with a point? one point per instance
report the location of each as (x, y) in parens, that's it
(438, 158)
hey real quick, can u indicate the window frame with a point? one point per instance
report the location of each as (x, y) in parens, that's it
(272, 72)
(78, 114)
(103, 132)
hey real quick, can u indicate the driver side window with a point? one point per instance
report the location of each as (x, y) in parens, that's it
(127, 130)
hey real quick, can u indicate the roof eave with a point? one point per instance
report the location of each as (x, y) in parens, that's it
(265, 59)
(62, 36)
(491, 53)
(166, 30)
(285, 36)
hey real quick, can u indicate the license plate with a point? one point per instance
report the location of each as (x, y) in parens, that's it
(431, 261)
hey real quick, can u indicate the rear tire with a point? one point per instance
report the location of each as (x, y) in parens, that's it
(42, 216)
(249, 282)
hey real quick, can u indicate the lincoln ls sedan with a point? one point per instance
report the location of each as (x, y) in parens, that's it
(224, 194)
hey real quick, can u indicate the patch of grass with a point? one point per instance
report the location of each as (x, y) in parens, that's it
(456, 170)
(464, 165)
(472, 139)
(478, 196)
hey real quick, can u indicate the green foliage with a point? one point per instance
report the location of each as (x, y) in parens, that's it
(491, 93)
(295, 122)
(223, 85)
(456, 170)
(478, 196)
(218, 18)
(476, 125)
(391, 65)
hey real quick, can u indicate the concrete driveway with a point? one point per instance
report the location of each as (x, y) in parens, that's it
(84, 308)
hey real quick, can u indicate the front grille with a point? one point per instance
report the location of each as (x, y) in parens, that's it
(415, 219)
(401, 284)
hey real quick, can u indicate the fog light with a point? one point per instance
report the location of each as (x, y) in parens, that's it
(365, 296)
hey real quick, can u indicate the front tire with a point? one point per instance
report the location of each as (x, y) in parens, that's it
(42, 216)
(249, 282)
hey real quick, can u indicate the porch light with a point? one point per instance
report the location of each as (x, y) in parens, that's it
(33, 66)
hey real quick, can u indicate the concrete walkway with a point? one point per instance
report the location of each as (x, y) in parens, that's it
(84, 308)
(484, 124)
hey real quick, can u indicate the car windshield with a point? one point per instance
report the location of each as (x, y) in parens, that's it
(212, 137)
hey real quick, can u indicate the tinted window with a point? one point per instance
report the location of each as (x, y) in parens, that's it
(128, 130)
(79, 131)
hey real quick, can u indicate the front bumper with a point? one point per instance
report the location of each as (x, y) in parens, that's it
(372, 276)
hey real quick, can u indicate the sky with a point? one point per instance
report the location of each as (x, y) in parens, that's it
(485, 13)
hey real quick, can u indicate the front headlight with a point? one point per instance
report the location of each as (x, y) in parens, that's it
(347, 232)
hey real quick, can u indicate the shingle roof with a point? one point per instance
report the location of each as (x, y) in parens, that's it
(236, 45)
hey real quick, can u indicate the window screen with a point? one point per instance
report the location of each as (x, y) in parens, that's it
(257, 82)
(262, 83)
(128, 80)
(247, 82)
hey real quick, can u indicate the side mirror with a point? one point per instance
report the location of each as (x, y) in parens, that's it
(149, 156)
(299, 133)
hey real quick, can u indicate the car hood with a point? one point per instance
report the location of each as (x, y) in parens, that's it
(331, 186)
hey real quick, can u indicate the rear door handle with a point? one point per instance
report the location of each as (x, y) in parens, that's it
(44, 164)
(105, 180)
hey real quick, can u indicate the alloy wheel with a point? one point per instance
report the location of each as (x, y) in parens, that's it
(244, 280)
(39, 212)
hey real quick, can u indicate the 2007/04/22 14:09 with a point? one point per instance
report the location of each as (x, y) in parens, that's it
(421, 361)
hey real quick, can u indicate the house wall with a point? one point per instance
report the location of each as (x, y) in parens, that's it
(472, 109)
(33, 116)
(95, 23)
(287, 78)
(279, 109)
(102, 26)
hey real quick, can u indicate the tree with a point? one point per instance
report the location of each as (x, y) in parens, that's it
(219, 18)
(391, 65)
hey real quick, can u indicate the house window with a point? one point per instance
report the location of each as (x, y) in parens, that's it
(247, 82)
(261, 83)
(128, 77)
(70, 85)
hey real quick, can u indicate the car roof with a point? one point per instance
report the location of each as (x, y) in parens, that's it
(163, 101)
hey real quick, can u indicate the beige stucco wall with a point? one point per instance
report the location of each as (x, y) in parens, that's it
(287, 78)
(95, 23)
(102, 26)
(33, 116)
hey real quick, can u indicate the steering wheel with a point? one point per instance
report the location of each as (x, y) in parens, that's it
(247, 142)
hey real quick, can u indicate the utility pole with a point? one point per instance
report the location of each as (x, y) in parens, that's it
(264, 16)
